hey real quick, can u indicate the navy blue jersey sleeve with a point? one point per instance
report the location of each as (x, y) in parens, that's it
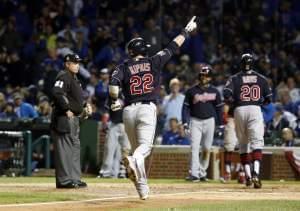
(266, 92)
(218, 102)
(185, 114)
(228, 89)
(219, 108)
(163, 56)
(117, 76)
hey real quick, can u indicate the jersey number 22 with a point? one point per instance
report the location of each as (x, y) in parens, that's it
(141, 84)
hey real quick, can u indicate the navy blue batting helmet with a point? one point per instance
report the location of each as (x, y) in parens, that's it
(137, 46)
(246, 61)
(205, 70)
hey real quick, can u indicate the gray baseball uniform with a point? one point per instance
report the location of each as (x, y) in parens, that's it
(203, 104)
(139, 79)
(247, 91)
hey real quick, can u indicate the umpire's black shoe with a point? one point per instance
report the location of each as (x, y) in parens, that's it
(81, 184)
(68, 185)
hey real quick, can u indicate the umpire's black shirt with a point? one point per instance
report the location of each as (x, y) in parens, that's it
(67, 95)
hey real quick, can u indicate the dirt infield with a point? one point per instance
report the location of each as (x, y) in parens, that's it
(118, 196)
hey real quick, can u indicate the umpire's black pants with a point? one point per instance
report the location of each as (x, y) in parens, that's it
(67, 154)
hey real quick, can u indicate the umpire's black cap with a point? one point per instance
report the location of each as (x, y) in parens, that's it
(137, 46)
(72, 58)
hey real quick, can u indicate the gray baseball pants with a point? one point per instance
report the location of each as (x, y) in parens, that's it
(202, 134)
(116, 143)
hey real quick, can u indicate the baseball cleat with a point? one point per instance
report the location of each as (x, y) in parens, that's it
(257, 182)
(192, 178)
(131, 169)
(203, 179)
(248, 182)
(143, 190)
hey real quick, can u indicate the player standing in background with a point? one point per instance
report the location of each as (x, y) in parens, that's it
(117, 145)
(204, 105)
(247, 91)
(139, 79)
(230, 143)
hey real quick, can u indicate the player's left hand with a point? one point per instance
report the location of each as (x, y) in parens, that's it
(192, 25)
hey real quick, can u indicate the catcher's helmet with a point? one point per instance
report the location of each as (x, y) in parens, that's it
(137, 46)
(246, 61)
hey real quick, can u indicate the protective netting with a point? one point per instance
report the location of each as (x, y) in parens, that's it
(11, 153)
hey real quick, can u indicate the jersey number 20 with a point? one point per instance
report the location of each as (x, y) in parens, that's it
(250, 93)
(141, 84)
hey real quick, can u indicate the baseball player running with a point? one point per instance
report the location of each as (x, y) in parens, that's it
(139, 78)
(246, 91)
(204, 105)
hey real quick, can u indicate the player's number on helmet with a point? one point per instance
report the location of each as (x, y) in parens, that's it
(250, 93)
(141, 84)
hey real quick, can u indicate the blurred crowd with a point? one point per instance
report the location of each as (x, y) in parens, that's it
(36, 34)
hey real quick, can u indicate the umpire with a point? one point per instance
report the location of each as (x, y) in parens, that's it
(68, 109)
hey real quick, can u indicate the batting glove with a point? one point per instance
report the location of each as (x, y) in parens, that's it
(192, 25)
(116, 105)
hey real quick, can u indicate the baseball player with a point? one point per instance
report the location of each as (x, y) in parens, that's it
(204, 105)
(246, 91)
(139, 78)
(116, 145)
(230, 142)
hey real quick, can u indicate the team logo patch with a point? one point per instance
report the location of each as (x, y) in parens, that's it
(204, 97)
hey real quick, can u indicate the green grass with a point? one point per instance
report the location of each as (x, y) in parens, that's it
(15, 198)
(255, 205)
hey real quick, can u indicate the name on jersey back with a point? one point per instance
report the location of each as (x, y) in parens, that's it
(137, 68)
(249, 79)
